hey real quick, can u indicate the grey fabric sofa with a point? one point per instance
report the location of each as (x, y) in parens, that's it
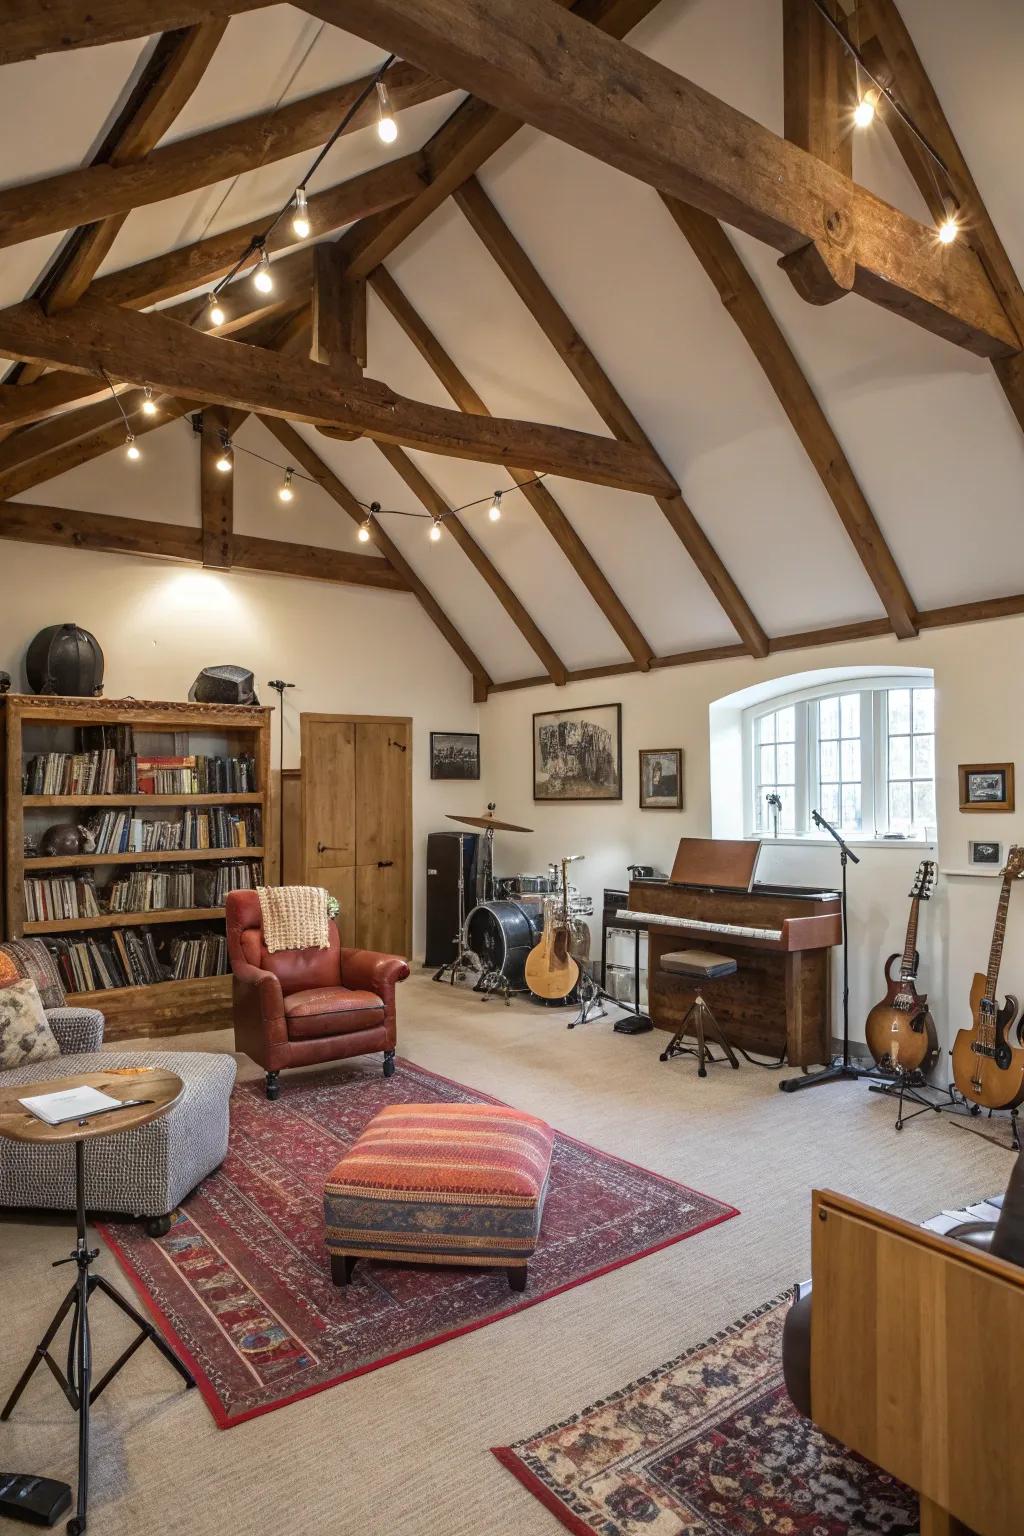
(144, 1172)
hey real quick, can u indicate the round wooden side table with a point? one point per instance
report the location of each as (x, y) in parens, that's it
(158, 1090)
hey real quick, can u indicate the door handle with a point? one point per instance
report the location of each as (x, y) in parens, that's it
(329, 848)
(385, 863)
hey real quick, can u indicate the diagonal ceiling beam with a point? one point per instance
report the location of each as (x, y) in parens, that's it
(437, 506)
(54, 26)
(498, 239)
(538, 495)
(746, 306)
(94, 338)
(299, 452)
(98, 191)
(547, 66)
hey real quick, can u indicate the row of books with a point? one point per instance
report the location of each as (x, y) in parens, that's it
(194, 774)
(73, 773)
(55, 897)
(168, 888)
(201, 954)
(121, 832)
(124, 957)
(102, 772)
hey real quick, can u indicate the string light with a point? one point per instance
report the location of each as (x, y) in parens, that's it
(435, 531)
(387, 128)
(224, 462)
(494, 510)
(864, 111)
(949, 228)
(261, 276)
(364, 532)
(149, 404)
(131, 447)
(216, 314)
(300, 218)
(285, 492)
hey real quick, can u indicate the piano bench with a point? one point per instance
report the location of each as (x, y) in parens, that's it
(701, 964)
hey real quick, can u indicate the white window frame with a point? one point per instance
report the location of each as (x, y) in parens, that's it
(874, 737)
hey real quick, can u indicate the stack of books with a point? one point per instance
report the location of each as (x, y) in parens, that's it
(50, 898)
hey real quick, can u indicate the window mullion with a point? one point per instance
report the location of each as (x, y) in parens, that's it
(806, 763)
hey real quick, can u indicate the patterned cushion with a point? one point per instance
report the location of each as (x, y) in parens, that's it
(32, 960)
(25, 1035)
(8, 969)
(441, 1184)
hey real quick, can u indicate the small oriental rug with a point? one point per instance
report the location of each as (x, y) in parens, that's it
(709, 1445)
(242, 1281)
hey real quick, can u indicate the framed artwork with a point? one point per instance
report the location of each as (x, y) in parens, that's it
(986, 786)
(577, 753)
(454, 755)
(661, 778)
(988, 854)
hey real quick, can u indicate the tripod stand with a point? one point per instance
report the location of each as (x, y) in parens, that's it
(463, 961)
(844, 1069)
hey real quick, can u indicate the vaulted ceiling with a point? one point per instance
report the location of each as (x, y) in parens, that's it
(872, 476)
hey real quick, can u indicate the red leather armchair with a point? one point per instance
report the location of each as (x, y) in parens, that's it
(296, 1007)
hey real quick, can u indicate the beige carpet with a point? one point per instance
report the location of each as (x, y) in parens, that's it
(405, 1449)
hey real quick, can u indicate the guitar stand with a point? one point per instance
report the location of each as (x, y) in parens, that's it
(908, 1085)
(959, 1102)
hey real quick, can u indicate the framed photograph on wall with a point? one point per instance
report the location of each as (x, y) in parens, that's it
(989, 855)
(986, 786)
(454, 755)
(577, 753)
(661, 778)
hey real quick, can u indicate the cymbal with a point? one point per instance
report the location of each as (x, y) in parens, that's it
(489, 823)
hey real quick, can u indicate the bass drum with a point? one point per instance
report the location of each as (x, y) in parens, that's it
(501, 935)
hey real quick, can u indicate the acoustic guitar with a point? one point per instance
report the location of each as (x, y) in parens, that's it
(551, 971)
(900, 1031)
(988, 1067)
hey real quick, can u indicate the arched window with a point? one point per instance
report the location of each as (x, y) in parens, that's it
(860, 750)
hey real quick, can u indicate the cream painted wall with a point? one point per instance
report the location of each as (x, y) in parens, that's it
(347, 649)
(980, 714)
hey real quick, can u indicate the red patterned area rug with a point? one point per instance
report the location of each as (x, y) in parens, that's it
(242, 1281)
(709, 1445)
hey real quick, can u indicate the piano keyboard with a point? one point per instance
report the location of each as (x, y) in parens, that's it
(645, 919)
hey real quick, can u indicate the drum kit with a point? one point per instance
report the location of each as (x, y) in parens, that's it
(496, 936)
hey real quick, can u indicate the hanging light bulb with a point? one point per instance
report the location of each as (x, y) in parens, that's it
(216, 314)
(950, 226)
(864, 111)
(261, 277)
(300, 218)
(224, 462)
(387, 128)
(149, 404)
(285, 493)
(435, 530)
(494, 510)
(131, 447)
(364, 532)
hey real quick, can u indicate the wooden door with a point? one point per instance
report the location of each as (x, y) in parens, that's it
(356, 818)
(382, 864)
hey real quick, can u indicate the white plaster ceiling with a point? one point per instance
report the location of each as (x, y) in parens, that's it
(924, 424)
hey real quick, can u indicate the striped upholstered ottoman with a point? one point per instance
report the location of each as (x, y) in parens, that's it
(440, 1184)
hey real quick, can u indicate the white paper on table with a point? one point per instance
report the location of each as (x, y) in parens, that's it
(68, 1104)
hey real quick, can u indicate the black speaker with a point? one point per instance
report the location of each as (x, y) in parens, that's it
(223, 685)
(443, 890)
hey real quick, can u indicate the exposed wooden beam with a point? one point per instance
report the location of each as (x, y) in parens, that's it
(745, 305)
(547, 66)
(436, 505)
(300, 453)
(94, 338)
(599, 389)
(97, 191)
(538, 495)
(54, 26)
(216, 491)
(819, 85)
(103, 432)
(339, 315)
(57, 526)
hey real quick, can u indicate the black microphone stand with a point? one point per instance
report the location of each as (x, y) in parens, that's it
(279, 685)
(843, 1069)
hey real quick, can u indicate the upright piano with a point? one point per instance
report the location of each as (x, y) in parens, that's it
(779, 999)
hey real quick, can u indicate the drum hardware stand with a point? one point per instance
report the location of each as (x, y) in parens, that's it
(464, 960)
(592, 997)
(909, 1085)
(491, 982)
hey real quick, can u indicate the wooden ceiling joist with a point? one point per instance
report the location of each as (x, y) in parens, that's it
(601, 392)
(54, 26)
(547, 66)
(99, 430)
(745, 305)
(99, 191)
(436, 505)
(300, 453)
(95, 338)
(538, 495)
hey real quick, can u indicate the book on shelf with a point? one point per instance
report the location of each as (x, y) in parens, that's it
(108, 770)
(133, 957)
(195, 774)
(213, 827)
(57, 897)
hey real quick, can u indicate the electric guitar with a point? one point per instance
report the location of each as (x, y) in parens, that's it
(900, 1031)
(551, 971)
(988, 1067)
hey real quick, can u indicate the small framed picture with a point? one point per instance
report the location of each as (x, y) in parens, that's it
(661, 779)
(454, 755)
(990, 854)
(986, 786)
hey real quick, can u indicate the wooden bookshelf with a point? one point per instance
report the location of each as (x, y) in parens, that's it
(31, 725)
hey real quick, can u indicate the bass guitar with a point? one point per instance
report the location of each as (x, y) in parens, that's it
(900, 1031)
(551, 971)
(988, 1067)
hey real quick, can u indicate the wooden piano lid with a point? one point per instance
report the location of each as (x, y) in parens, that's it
(719, 861)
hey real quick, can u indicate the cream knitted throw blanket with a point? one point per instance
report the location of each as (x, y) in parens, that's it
(294, 916)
